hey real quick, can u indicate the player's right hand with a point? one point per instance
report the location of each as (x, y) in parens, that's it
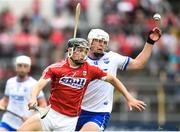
(32, 103)
(154, 35)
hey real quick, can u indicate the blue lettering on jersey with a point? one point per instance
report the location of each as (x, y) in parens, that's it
(95, 62)
(25, 90)
(17, 97)
(73, 82)
(106, 103)
(106, 60)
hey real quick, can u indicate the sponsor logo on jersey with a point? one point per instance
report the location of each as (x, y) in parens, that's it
(17, 97)
(106, 60)
(73, 82)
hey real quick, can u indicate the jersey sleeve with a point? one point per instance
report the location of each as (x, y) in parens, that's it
(47, 73)
(97, 73)
(7, 89)
(122, 61)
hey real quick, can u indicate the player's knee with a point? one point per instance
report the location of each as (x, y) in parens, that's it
(30, 127)
(31, 124)
(90, 126)
(23, 127)
(20, 129)
(3, 130)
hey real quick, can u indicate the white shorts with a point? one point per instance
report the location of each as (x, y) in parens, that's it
(55, 121)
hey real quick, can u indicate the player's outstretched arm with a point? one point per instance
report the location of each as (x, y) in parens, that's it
(132, 102)
(36, 90)
(139, 62)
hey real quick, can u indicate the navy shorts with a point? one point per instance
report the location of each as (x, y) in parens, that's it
(6, 126)
(100, 118)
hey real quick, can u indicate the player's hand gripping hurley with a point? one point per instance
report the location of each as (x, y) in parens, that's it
(42, 111)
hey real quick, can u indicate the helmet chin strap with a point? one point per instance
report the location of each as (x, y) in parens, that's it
(70, 54)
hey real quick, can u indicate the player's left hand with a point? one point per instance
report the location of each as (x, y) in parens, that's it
(155, 34)
(137, 104)
(32, 103)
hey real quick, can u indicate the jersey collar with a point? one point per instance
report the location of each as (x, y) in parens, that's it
(97, 58)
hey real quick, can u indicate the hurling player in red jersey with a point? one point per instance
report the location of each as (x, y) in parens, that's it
(69, 80)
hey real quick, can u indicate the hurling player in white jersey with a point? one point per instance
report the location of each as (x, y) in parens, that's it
(17, 96)
(98, 99)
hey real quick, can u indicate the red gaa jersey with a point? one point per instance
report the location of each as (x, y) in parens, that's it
(68, 85)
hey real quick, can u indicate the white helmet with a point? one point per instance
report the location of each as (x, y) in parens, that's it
(23, 60)
(98, 34)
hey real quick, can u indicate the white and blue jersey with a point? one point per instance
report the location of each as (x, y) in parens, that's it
(99, 94)
(19, 96)
(98, 97)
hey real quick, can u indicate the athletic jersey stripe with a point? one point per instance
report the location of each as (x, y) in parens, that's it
(92, 58)
(126, 64)
(103, 123)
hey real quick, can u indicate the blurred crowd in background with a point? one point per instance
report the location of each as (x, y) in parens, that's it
(43, 37)
(127, 22)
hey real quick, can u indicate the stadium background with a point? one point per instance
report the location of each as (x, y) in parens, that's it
(41, 28)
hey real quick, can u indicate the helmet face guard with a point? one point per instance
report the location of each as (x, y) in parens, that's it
(78, 50)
